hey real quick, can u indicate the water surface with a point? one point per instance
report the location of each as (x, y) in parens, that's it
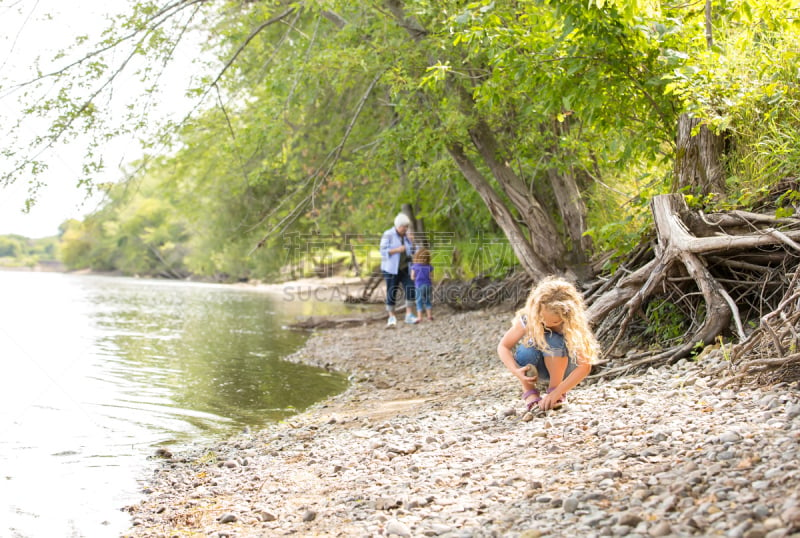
(100, 371)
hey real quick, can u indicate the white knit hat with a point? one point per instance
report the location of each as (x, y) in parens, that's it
(401, 220)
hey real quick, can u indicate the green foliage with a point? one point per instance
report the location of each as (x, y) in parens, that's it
(745, 87)
(325, 120)
(482, 255)
(619, 218)
(784, 201)
(666, 322)
(136, 234)
(787, 204)
(76, 245)
(697, 350)
(19, 251)
(11, 247)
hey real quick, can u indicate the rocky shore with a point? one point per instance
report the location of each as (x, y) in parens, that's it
(431, 439)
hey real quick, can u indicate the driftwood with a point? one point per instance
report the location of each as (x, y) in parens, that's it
(375, 279)
(479, 292)
(721, 270)
(772, 351)
(483, 292)
(332, 322)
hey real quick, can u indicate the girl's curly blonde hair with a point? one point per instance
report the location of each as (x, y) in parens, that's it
(562, 298)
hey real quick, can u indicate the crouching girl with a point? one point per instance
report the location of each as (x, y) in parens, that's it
(550, 338)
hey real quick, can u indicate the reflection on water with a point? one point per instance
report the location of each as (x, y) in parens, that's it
(100, 370)
(214, 351)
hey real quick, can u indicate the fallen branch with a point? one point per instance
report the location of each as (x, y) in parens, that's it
(325, 322)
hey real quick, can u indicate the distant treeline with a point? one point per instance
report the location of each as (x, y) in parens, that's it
(19, 251)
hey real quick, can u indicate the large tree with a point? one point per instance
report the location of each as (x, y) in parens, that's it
(524, 99)
(323, 116)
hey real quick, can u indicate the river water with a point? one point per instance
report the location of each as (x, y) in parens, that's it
(99, 372)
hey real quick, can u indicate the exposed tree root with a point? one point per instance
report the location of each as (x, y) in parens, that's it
(721, 272)
(770, 353)
(483, 292)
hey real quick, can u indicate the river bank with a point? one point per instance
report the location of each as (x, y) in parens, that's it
(431, 440)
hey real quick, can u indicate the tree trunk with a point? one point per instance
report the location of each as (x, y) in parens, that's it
(697, 162)
(533, 264)
(573, 212)
(571, 207)
(417, 226)
(544, 236)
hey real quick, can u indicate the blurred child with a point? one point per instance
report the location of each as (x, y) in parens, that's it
(421, 270)
(550, 337)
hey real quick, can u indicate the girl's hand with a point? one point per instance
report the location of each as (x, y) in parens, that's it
(549, 400)
(527, 374)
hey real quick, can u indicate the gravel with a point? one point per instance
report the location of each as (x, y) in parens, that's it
(431, 439)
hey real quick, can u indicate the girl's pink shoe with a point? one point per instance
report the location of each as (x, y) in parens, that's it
(527, 394)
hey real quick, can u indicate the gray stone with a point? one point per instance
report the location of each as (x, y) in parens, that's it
(629, 519)
(662, 528)
(228, 517)
(397, 528)
(570, 504)
(730, 437)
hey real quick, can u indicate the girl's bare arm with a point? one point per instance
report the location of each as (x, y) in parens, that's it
(505, 347)
(576, 376)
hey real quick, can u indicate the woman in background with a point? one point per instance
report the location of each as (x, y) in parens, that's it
(397, 248)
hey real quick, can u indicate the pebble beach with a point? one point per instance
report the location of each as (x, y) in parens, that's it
(432, 439)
